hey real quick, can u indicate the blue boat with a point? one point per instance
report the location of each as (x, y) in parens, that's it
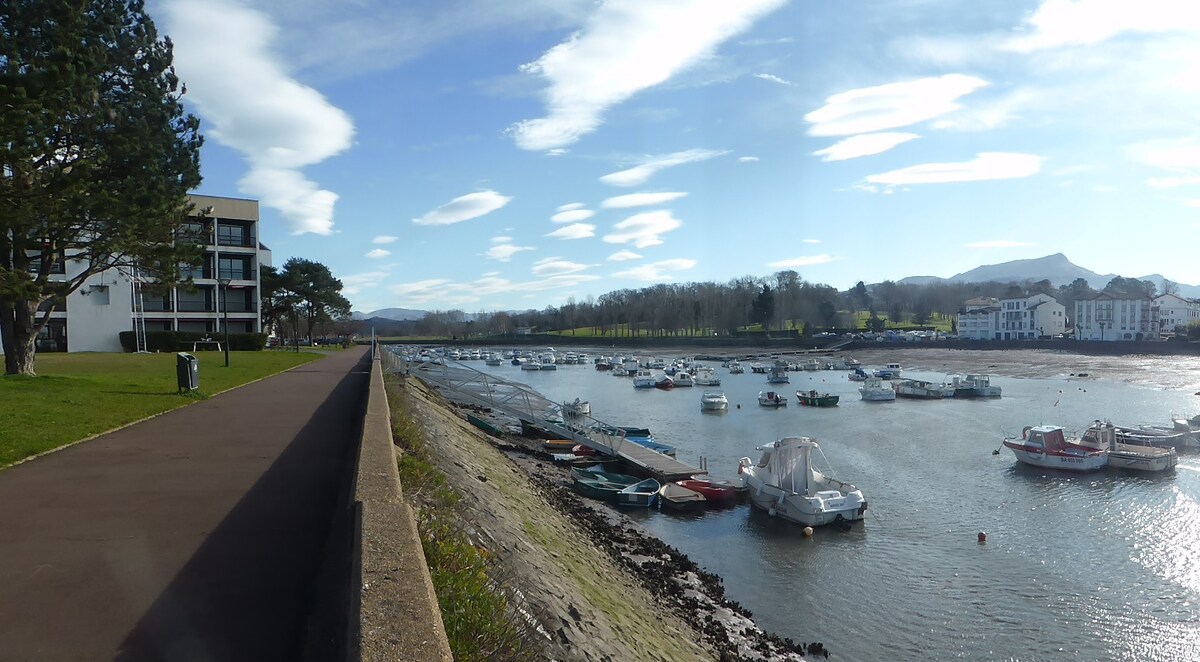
(649, 442)
(640, 495)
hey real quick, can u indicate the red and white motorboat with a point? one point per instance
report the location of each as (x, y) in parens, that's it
(1047, 446)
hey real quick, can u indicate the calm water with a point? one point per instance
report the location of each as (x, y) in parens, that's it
(1088, 567)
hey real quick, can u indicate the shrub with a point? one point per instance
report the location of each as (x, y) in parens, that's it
(184, 341)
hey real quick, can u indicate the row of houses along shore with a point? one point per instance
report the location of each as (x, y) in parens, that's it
(1102, 316)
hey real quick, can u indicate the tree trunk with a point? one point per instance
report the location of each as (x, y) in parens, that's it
(20, 337)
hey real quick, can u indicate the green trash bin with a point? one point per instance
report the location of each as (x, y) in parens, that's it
(187, 370)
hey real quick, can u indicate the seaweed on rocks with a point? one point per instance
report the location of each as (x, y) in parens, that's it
(694, 594)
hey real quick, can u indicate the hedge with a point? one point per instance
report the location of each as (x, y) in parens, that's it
(183, 341)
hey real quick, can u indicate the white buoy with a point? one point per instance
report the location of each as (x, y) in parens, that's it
(808, 531)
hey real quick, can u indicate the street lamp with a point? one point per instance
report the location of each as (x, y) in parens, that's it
(224, 283)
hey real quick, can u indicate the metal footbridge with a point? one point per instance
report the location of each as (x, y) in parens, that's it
(462, 383)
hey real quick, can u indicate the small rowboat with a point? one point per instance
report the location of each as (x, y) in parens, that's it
(714, 492)
(642, 494)
(674, 495)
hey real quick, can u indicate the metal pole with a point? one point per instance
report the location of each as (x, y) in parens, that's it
(225, 314)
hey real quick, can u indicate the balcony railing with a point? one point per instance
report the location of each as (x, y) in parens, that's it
(196, 307)
(244, 242)
(239, 307)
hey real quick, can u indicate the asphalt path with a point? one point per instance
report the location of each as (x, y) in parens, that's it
(207, 533)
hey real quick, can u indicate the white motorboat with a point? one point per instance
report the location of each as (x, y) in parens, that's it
(1102, 435)
(530, 364)
(810, 364)
(1047, 446)
(706, 377)
(890, 371)
(714, 401)
(735, 368)
(974, 386)
(493, 359)
(778, 374)
(644, 379)
(918, 389)
(771, 399)
(874, 390)
(785, 484)
(683, 378)
(577, 408)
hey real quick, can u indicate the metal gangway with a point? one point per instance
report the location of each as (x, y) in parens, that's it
(460, 382)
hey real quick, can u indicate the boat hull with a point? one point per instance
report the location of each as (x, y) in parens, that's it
(798, 508)
(1065, 460)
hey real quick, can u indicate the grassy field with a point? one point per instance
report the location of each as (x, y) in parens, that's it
(75, 396)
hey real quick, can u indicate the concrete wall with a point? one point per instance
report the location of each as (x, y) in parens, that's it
(395, 615)
(98, 311)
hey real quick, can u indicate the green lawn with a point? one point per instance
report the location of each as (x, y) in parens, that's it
(75, 396)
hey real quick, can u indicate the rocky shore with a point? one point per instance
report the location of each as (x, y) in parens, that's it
(592, 584)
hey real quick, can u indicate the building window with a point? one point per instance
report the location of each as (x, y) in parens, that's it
(234, 235)
(236, 268)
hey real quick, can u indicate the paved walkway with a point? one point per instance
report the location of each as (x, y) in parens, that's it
(198, 535)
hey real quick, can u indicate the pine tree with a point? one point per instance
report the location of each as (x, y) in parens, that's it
(96, 156)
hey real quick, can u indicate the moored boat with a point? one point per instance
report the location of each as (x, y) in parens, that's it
(975, 386)
(1102, 435)
(577, 408)
(642, 494)
(678, 497)
(771, 399)
(778, 373)
(890, 371)
(919, 389)
(683, 378)
(785, 484)
(735, 368)
(1047, 446)
(643, 378)
(814, 399)
(706, 377)
(874, 390)
(716, 492)
(714, 401)
(859, 375)
(664, 383)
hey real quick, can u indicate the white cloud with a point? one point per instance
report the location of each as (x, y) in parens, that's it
(1173, 182)
(556, 266)
(863, 145)
(384, 239)
(1191, 204)
(626, 46)
(998, 243)
(641, 199)
(572, 215)
(747, 159)
(802, 261)
(986, 165)
(812, 241)
(443, 293)
(1058, 23)
(464, 208)
(892, 105)
(250, 104)
(378, 254)
(643, 230)
(624, 256)
(640, 174)
(570, 206)
(575, 231)
(773, 78)
(502, 251)
(656, 270)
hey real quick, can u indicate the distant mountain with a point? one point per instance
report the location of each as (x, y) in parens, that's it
(395, 314)
(1055, 268)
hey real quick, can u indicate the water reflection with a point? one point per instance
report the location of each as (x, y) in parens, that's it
(1077, 566)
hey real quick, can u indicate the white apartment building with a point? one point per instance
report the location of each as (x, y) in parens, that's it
(1021, 318)
(1176, 312)
(1105, 316)
(92, 316)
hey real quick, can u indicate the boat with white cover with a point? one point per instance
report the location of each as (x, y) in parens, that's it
(919, 389)
(683, 378)
(714, 401)
(706, 377)
(874, 389)
(785, 484)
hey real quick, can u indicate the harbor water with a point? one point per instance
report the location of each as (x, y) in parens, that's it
(1076, 566)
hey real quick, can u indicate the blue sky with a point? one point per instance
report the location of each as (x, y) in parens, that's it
(489, 155)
